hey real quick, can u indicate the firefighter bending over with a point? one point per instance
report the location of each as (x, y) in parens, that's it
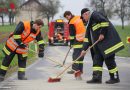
(17, 43)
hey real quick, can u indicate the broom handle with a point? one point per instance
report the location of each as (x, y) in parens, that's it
(54, 61)
(66, 56)
(94, 44)
(68, 67)
(76, 60)
(48, 58)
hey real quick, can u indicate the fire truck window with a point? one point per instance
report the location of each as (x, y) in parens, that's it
(59, 24)
(59, 28)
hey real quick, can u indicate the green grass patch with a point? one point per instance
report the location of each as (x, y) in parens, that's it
(7, 28)
(124, 34)
(44, 31)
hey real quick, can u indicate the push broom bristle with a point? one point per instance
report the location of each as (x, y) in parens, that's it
(54, 80)
(77, 73)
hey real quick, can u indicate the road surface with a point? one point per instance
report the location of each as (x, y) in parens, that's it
(39, 72)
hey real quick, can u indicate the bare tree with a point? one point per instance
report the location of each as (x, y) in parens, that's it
(103, 6)
(11, 11)
(99, 5)
(3, 10)
(122, 10)
(54, 7)
(49, 8)
(128, 9)
(110, 8)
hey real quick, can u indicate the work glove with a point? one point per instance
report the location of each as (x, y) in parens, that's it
(41, 54)
(22, 45)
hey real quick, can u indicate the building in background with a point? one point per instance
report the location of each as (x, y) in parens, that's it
(29, 11)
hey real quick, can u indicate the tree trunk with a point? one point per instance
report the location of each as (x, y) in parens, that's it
(2, 21)
(10, 18)
(122, 21)
(2, 18)
(52, 17)
(103, 8)
(48, 18)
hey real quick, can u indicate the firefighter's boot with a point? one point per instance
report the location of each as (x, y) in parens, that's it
(21, 76)
(71, 72)
(114, 78)
(97, 78)
(2, 74)
(1, 78)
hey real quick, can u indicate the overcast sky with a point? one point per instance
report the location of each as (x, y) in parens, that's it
(74, 6)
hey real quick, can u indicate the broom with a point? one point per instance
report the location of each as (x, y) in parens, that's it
(59, 64)
(49, 59)
(57, 79)
(64, 58)
(66, 55)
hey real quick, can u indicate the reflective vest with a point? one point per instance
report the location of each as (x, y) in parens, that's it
(26, 37)
(79, 26)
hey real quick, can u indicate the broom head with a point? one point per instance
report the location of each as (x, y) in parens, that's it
(54, 80)
(77, 73)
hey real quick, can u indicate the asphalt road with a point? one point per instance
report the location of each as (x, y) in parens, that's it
(39, 72)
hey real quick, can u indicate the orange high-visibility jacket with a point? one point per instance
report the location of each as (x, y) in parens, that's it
(79, 26)
(26, 37)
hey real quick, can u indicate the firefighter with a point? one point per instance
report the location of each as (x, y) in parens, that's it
(59, 33)
(17, 43)
(77, 33)
(100, 28)
(60, 37)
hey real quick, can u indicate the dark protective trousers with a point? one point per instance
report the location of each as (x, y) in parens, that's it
(8, 59)
(78, 65)
(98, 60)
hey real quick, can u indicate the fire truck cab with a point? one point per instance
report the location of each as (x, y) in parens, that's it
(58, 32)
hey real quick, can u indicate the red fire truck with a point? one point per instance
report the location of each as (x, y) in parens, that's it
(58, 32)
